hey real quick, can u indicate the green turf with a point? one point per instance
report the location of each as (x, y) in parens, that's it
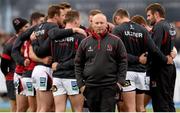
(4, 110)
(150, 110)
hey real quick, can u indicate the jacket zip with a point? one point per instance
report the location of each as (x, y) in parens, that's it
(99, 44)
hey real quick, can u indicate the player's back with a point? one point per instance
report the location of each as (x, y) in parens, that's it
(133, 37)
(64, 52)
(41, 45)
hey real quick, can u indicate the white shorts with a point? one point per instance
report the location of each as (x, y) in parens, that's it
(136, 80)
(65, 86)
(42, 78)
(27, 86)
(18, 84)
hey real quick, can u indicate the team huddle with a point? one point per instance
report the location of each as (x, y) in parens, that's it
(123, 64)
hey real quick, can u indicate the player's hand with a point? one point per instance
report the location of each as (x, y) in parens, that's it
(54, 66)
(33, 36)
(170, 59)
(82, 89)
(26, 62)
(173, 53)
(119, 85)
(80, 31)
(143, 58)
(47, 60)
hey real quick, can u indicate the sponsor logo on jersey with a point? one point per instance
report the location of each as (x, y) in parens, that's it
(39, 33)
(133, 34)
(68, 39)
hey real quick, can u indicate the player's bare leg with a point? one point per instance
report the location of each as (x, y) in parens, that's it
(60, 103)
(129, 101)
(22, 103)
(77, 102)
(46, 101)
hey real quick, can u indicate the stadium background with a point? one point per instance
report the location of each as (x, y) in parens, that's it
(23, 8)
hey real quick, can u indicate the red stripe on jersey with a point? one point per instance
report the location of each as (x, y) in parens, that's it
(76, 44)
(31, 66)
(10, 76)
(6, 56)
(165, 38)
(19, 69)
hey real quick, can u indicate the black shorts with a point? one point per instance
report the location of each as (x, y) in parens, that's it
(148, 93)
(138, 91)
(10, 89)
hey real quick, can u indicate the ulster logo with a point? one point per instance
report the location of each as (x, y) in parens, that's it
(127, 83)
(153, 84)
(17, 22)
(90, 49)
(109, 47)
(131, 27)
(54, 88)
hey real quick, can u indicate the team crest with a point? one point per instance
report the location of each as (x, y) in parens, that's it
(109, 47)
(90, 49)
(16, 21)
(127, 83)
(54, 88)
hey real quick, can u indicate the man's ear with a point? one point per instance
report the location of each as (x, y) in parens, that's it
(56, 16)
(156, 14)
(115, 19)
